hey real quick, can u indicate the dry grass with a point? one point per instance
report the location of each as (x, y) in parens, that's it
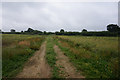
(25, 43)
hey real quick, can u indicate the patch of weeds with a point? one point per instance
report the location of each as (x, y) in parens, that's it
(62, 73)
(51, 58)
(14, 64)
(35, 43)
(61, 66)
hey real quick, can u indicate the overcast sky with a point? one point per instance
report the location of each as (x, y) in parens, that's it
(49, 16)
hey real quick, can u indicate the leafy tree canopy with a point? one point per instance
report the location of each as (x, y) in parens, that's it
(113, 27)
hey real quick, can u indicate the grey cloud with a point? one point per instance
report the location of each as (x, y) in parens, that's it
(54, 16)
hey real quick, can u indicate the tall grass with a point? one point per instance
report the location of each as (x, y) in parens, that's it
(16, 49)
(95, 56)
(107, 47)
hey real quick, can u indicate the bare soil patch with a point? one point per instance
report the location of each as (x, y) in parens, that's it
(36, 67)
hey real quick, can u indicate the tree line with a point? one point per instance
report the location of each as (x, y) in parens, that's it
(112, 30)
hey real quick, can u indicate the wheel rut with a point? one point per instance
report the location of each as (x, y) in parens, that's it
(67, 69)
(36, 66)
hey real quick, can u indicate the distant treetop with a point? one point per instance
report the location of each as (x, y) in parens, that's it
(113, 27)
(12, 30)
(62, 30)
(30, 30)
(84, 30)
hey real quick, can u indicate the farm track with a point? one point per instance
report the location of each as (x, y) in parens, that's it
(69, 71)
(36, 67)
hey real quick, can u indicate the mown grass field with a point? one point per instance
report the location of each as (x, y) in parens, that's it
(96, 57)
(16, 49)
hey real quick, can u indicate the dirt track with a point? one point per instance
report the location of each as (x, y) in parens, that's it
(68, 69)
(36, 67)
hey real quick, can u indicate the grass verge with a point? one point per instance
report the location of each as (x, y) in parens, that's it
(14, 64)
(51, 57)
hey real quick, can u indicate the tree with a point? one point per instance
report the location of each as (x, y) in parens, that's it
(113, 28)
(37, 32)
(30, 30)
(84, 30)
(0, 31)
(12, 30)
(45, 32)
(62, 30)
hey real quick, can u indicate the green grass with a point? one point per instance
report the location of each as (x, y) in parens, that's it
(10, 39)
(51, 57)
(16, 49)
(14, 64)
(94, 62)
(96, 57)
(94, 44)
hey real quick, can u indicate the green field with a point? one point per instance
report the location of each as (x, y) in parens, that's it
(16, 49)
(94, 57)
